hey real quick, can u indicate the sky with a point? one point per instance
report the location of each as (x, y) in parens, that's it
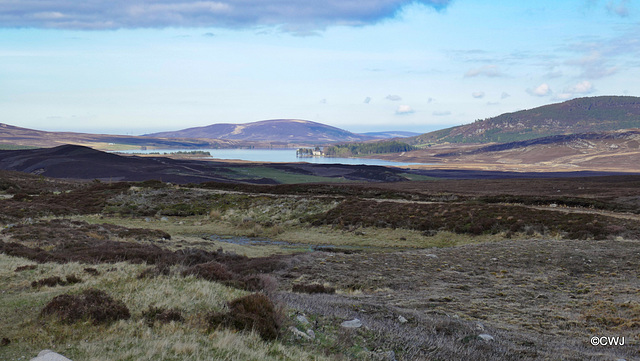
(142, 66)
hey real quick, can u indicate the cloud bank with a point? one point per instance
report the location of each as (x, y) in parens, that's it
(404, 110)
(540, 91)
(291, 15)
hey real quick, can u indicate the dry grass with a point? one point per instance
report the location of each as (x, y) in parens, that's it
(132, 339)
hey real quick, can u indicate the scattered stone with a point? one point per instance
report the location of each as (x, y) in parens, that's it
(311, 334)
(431, 255)
(383, 356)
(48, 355)
(479, 326)
(402, 319)
(485, 337)
(299, 334)
(303, 320)
(355, 323)
(164, 219)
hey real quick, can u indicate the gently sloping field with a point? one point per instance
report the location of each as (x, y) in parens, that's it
(480, 269)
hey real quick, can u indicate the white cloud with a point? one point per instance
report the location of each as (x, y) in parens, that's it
(291, 15)
(580, 89)
(393, 98)
(490, 71)
(505, 95)
(478, 95)
(584, 87)
(541, 90)
(404, 110)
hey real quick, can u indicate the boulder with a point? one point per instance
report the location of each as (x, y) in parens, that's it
(355, 323)
(299, 334)
(303, 320)
(48, 355)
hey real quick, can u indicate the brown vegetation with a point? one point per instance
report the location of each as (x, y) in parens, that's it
(475, 219)
(91, 304)
(312, 288)
(253, 312)
(162, 315)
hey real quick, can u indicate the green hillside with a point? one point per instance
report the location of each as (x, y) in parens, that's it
(580, 115)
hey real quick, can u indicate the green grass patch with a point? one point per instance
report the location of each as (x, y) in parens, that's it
(286, 177)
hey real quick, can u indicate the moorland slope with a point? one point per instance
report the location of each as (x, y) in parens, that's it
(581, 115)
(275, 130)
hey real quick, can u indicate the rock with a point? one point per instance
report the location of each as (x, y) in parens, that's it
(303, 320)
(479, 326)
(431, 255)
(299, 334)
(311, 334)
(402, 319)
(382, 356)
(355, 323)
(485, 337)
(48, 355)
(164, 219)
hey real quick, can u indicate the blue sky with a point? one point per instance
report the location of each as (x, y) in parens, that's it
(141, 66)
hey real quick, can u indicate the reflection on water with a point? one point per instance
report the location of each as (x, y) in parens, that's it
(271, 155)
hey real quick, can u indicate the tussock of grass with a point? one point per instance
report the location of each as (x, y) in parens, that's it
(132, 339)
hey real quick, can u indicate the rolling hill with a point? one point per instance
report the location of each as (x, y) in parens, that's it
(79, 162)
(582, 115)
(12, 136)
(275, 130)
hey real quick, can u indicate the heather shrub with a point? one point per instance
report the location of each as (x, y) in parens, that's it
(49, 281)
(92, 304)
(253, 312)
(211, 271)
(162, 315)
(312, 288)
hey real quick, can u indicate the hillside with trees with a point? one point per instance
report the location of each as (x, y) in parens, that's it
(582, 115)
(347, 150)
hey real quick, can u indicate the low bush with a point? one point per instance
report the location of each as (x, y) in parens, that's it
(50, 281)
(73, 279)
(210, 271)
(92, 271)
(163, 315)
(253, 312)
(91, 304)
(312, 288)
(25, 268)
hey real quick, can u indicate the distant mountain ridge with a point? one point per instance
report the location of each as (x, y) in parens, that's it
(391, 134)
(12, 135)
(274, 130)
(581, 115)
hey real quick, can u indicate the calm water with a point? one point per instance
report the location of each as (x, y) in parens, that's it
(271, 155)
